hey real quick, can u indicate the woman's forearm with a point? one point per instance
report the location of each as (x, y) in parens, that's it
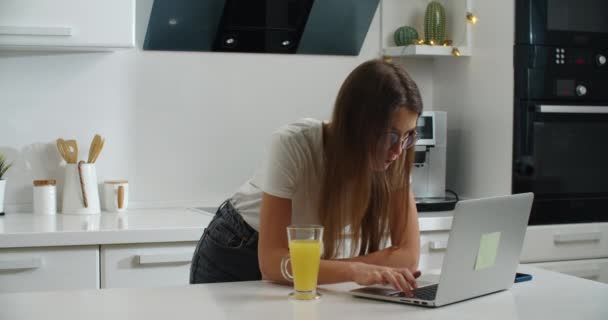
(330, 271)
(391, 257)
(341, 270)
(270, 265)
(335, 271)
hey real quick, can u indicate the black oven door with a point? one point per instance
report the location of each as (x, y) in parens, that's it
(572, 23)
(561, 154)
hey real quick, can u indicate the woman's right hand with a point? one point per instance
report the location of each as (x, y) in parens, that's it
(401, 279)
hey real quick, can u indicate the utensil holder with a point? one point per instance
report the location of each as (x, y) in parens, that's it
(73, 199)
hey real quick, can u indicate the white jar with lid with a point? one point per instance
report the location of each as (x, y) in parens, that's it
(45, 197)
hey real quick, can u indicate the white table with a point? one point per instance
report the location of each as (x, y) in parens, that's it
(549, 296)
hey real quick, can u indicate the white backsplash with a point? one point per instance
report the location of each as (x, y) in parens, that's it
(184, 128)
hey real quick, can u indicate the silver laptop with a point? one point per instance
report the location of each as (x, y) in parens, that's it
(483, 252)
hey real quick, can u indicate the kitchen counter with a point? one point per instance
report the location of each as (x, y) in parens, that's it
(20, 230)
(137, 226)
(549, 296)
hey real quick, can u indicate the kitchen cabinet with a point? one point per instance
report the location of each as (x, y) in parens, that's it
(580, 250)
(592, 269)
(565, 242)
(154, 247)
(94, 25)
(52, 268)
(144, 248)
(146, 265)
(433, 245)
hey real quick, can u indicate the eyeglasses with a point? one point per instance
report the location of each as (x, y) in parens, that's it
(391, 138)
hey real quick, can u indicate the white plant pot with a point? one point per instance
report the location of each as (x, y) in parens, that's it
(2, 188)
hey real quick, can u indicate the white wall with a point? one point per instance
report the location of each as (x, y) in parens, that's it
(477, 92)
(183, 128)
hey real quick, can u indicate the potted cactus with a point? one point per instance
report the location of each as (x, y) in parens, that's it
(434, 23)
(4, 166)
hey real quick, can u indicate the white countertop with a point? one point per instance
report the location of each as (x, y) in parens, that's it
(548, 296)
(136, 226)
(19, 230)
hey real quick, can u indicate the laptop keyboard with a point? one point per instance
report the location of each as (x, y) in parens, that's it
(424, 293)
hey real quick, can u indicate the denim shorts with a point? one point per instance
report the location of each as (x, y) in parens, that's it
(227, 251)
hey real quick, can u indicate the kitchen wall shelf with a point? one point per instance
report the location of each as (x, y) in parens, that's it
(397, 13)
(423, 51)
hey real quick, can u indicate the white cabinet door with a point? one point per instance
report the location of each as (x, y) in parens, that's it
(433, 245)
(146, 265)
(54, 268)
(67, 24)
(593, 269)
(565, 242)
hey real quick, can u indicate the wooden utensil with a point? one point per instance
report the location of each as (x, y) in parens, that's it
(98, 147)
(72, 152)
(82, 188)
(63, 150)
(95, 148)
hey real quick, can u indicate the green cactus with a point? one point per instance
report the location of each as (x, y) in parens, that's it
(434, 23)
(405, 36)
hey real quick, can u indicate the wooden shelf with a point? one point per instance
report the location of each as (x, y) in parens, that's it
(423, 51)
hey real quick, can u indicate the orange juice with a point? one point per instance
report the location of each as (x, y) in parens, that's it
(305, 260)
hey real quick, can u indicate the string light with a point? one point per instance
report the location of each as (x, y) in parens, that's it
(456, 52)
(471, 18)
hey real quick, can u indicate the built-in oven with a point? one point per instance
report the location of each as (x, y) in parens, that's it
(560, 136)
(561, 154)
(574, 23)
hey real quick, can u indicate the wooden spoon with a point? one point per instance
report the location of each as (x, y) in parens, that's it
(61, 147)
(98, 147)
(95, 148)
(72, 150)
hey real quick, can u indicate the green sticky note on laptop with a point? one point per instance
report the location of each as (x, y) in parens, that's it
(488, 250)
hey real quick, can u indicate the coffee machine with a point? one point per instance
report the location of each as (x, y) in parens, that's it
(428, 174)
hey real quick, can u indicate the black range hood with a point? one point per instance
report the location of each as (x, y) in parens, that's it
(332, 27)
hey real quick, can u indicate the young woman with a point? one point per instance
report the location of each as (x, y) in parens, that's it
(350, 175)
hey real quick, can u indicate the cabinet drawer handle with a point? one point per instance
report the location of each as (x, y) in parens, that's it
(35, 31)
(21, 264)
(438, 245)
(165, 258)
(577, 237)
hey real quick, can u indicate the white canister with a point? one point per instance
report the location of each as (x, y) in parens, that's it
(116, 195)
(80, 184)
(45, 197)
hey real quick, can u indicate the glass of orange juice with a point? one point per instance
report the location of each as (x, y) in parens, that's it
(305, 256)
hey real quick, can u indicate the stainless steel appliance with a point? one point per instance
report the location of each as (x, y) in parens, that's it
(428, 175)
(560, 145)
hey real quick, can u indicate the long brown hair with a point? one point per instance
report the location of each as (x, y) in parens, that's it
(353, 195)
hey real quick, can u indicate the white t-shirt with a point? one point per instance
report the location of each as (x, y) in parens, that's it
(292, 169)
